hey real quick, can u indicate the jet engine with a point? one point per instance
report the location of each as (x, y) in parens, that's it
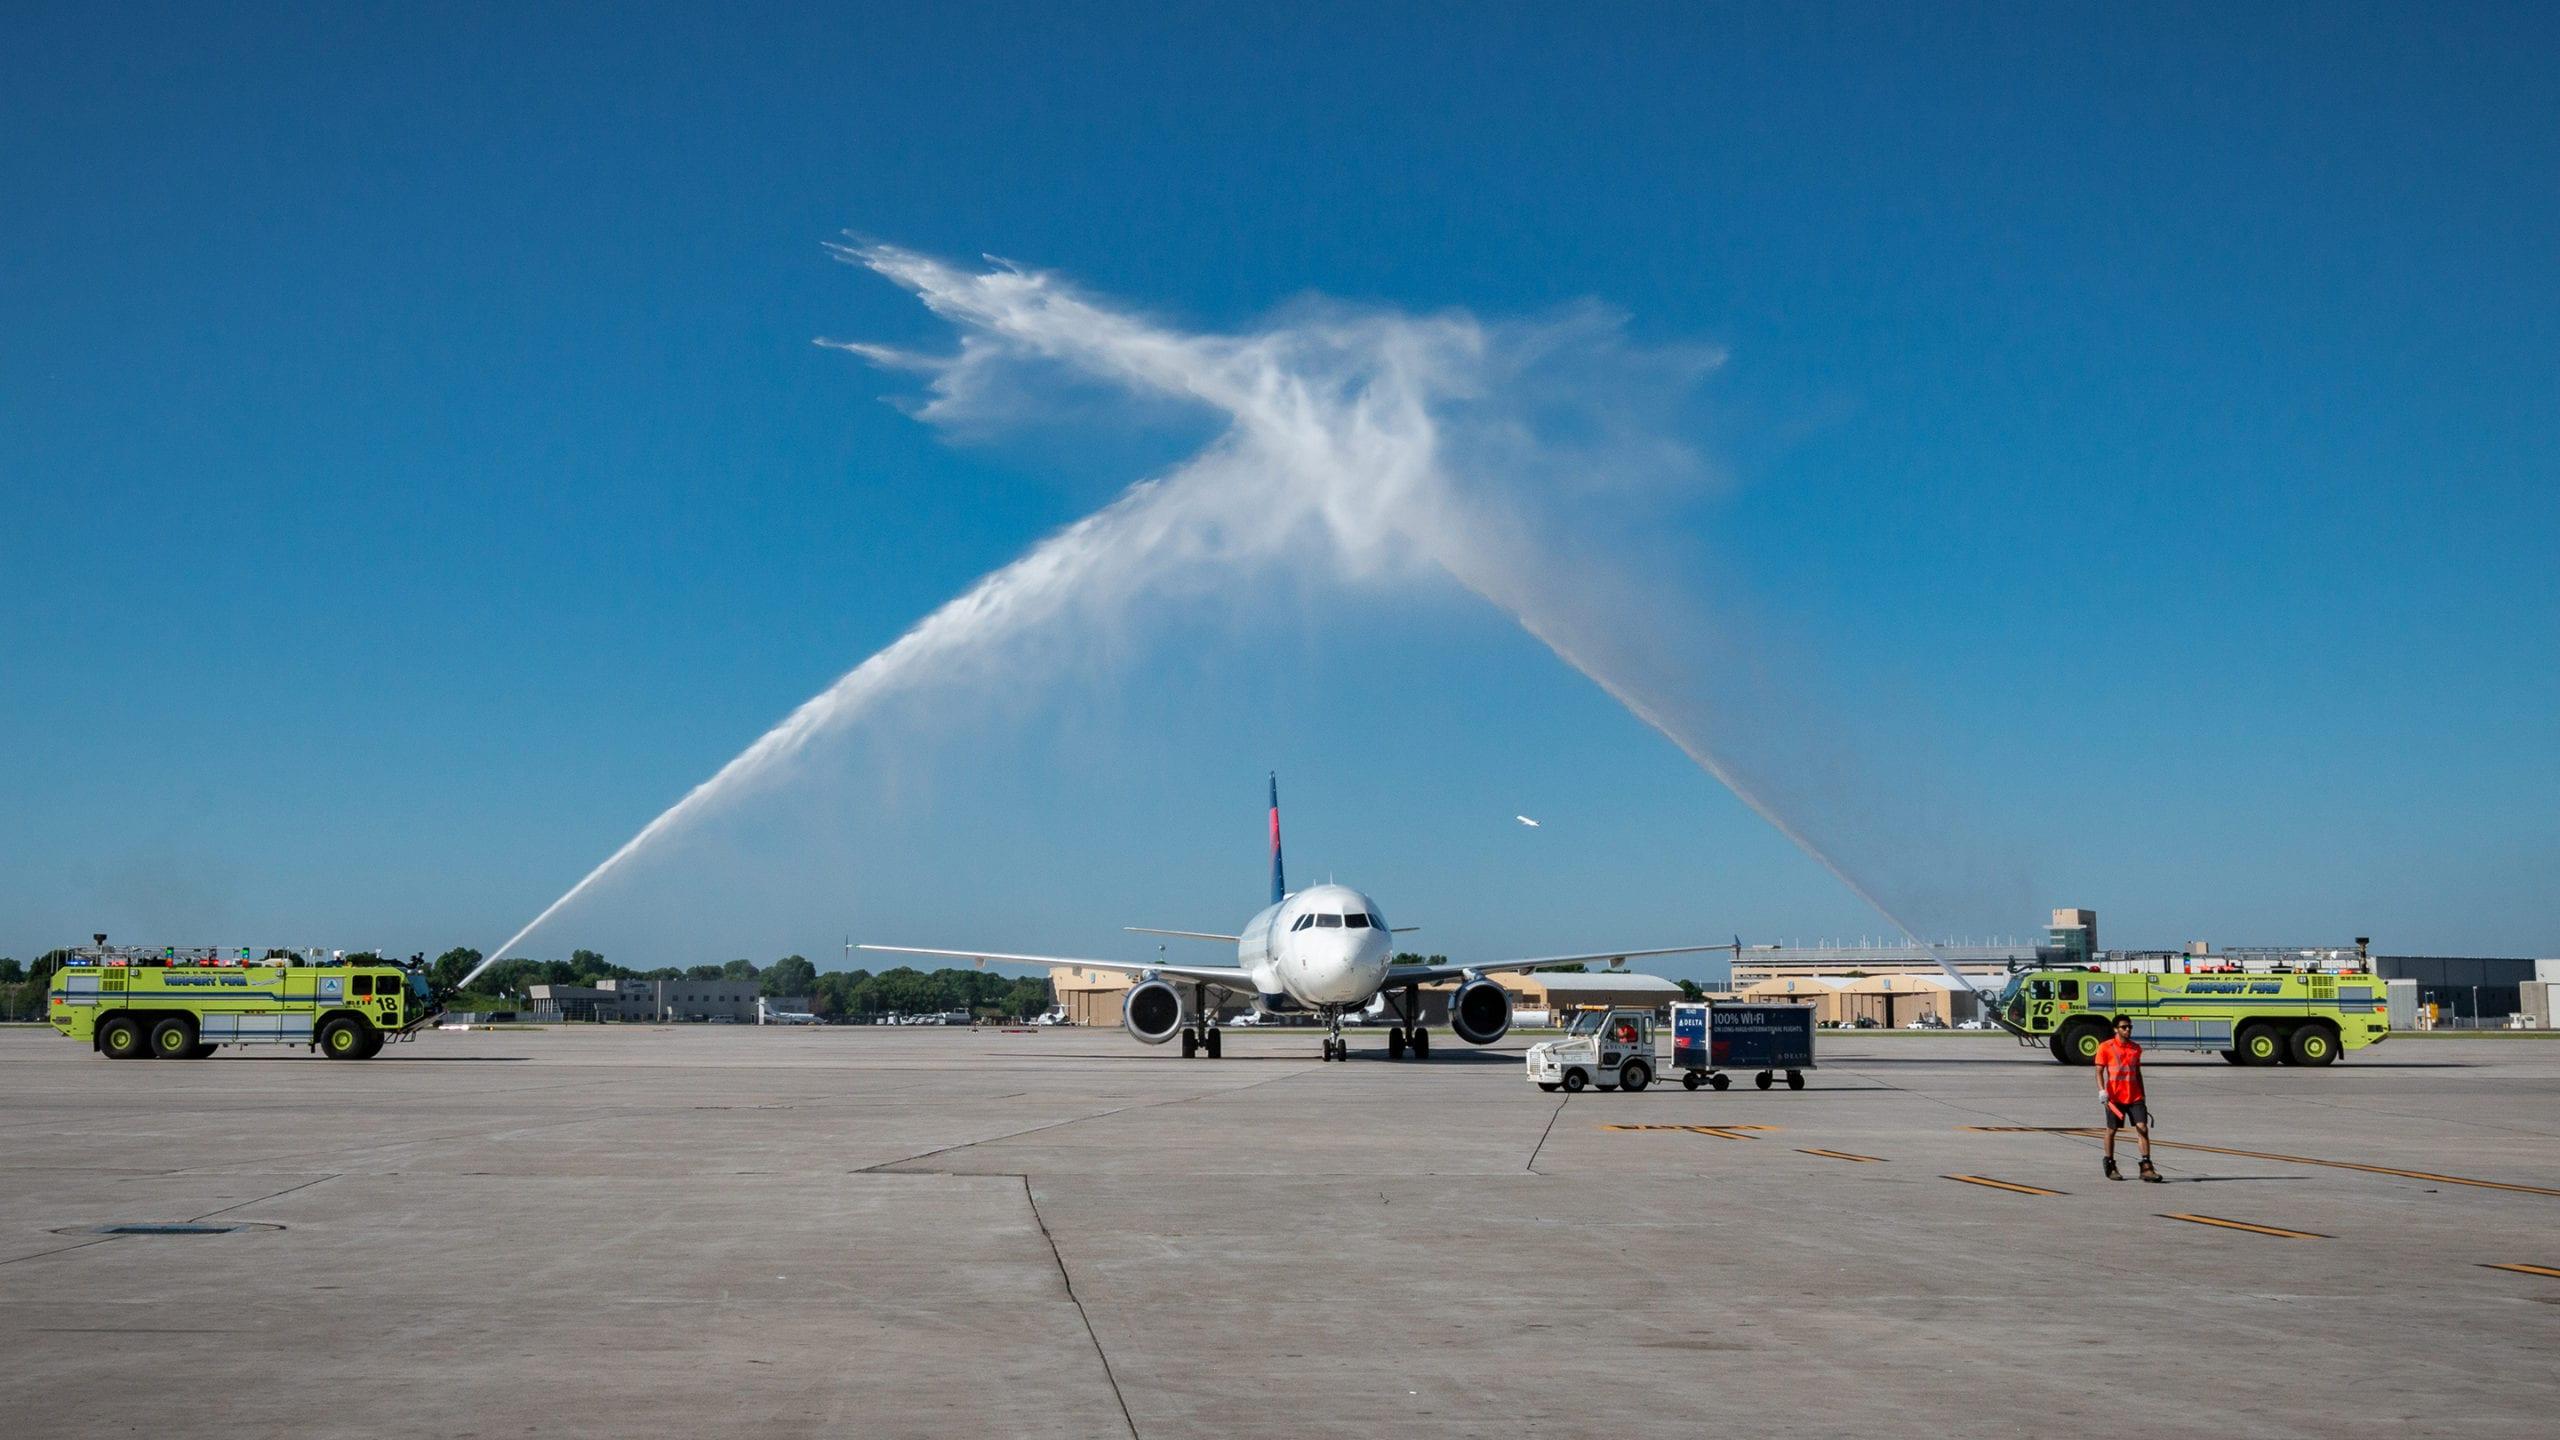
(1152, 1012)
(1480, 1012)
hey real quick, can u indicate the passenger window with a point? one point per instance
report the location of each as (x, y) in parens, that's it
(1355, 921)
(1328, 922)
(364, 984)
(2070, 989)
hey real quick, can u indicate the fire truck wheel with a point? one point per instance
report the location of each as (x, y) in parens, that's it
(1634, 1076)
(2314, 1045)
(1574, 1080)
(123, 1038)
(373, 1043)
(2234, 1057)
(2261, 1045)
(2077, 1043)
(173, 1037)
(202, 1050)
(342, 1038)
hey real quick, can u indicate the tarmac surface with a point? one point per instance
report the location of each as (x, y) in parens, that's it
(712, 1231)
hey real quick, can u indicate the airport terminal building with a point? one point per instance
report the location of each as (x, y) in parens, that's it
(659, 1000)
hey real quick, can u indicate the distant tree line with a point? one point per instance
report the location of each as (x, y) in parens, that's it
(835, 994)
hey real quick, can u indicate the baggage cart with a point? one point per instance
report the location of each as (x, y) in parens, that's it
(1712, 1040)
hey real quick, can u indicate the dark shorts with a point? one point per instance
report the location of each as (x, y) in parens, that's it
(2119, 1116)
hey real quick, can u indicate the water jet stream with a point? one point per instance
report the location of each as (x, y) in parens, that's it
(1379, 441)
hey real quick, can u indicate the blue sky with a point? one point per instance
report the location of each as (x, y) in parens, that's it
(2138, 429)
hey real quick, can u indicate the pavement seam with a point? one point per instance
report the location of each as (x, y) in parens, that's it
(64, 1249)
(227, 1209)
(1108, 1375)
(1532, 1166)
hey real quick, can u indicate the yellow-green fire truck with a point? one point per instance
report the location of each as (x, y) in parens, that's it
(2251, 1018)
(182, 1004)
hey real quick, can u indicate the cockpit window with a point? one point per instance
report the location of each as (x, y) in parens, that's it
(1355, 921)
(1328, 922)
(1303, 922)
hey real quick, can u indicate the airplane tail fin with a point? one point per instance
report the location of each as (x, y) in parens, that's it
(1279, 877)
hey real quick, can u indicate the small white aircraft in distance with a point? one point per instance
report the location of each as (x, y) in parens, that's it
(1323, 950)
(1525, 820)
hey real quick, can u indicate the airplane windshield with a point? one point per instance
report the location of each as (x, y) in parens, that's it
(1328, 922)
(1355, 921)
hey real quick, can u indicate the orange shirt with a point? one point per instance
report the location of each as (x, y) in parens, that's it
(2120, 1069)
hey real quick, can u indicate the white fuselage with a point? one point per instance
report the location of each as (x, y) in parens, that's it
(1323, 947)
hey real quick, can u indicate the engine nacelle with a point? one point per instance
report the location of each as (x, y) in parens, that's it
(1480, 1013)
(1152, 1011)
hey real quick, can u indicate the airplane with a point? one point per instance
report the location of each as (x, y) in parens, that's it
(1323, 950)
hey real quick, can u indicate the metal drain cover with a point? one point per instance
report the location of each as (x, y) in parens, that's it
(163, 1227)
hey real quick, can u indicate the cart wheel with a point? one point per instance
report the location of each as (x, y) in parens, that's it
(1549, 1086)
(1761, 1079)
(1720, 1081)
(1690, 1081)
(1795, 1079)
(1575, 1080)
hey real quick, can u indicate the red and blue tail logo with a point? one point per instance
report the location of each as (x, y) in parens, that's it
(1279, 880)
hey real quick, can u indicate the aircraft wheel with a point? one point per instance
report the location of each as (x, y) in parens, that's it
(1212, 1044)
(1420, 1040)
(1190, 1043)
(1395, 1042)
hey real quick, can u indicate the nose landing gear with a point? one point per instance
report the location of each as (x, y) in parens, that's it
(1335, 1047)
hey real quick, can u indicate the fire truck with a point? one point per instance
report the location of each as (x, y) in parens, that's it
(134, 1003)
(2249, 1017)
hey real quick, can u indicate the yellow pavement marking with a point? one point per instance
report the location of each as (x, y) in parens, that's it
(1721, 1132)
(2003, 1184)
(2092, 1132)
(2252, 1229)
(2526, 1270)
(1844, 1155)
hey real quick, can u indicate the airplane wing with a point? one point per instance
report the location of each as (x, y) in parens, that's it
(1426, 974)
(1231, 977)
(1182, 934)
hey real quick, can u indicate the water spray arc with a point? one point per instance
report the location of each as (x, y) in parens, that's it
(1374, 441)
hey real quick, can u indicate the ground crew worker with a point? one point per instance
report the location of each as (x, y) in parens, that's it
(2120, 1085)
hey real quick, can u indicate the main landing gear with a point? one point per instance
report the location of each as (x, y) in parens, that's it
(1409, 1038)
(1201, 1037)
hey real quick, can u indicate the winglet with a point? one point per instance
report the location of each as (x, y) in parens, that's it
(1279, 878)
